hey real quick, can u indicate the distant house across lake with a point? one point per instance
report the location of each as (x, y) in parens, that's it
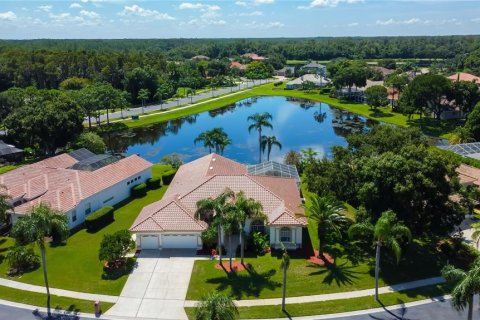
(300, 82)
(313, 67)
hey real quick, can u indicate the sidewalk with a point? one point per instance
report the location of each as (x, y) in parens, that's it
(58, 292)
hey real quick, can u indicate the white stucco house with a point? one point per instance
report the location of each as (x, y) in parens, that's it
(76, 183)
(317, 80)
(171, 222)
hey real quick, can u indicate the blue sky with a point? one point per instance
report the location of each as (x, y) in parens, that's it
(237, 18)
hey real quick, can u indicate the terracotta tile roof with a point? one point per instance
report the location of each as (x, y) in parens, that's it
(209, 176)
(51, 181)
(463, 76)
(468, 174)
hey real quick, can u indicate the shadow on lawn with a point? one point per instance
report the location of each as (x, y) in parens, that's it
(402, 311)
(381, 114)
(341, 274)
(242, 284)
(58, 314)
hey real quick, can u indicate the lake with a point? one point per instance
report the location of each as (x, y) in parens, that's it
(297, 124)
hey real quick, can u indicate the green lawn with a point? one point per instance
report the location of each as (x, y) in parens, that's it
(353, 270)
(337, 306)
(75, 266)
(57, 302)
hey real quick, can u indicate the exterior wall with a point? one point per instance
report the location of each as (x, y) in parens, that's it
(296, 234)
(107, 197)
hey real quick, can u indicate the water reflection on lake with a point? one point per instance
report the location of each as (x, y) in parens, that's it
(297, 124)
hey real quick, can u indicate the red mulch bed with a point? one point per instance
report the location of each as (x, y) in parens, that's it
(321, 262)
(236, 266)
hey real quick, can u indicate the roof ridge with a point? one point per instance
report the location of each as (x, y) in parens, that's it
(208, 178)
(181, 206)
(156, 211)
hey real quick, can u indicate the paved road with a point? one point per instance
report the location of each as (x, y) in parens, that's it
(168, 104)
(440, 310)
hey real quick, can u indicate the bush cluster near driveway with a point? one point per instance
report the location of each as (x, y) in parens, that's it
(75, 266)
(353, 270)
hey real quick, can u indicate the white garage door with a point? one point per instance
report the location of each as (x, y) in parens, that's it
(179, 241)
(150, 242)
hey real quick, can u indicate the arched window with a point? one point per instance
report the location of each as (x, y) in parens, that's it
(285, 235)
(257, 226)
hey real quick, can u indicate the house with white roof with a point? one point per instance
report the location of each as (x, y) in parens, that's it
(76, 183)
(317, 80)
(172, 221)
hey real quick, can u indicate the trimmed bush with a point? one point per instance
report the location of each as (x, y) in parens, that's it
(22, 259)
(99, 218)
(168, 177)
(154, 183)
(140, 190)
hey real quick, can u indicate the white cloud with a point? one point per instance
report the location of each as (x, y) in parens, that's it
(251, 14)
(241, 3)
(353, 24)
(263, 1)
(327, 3)
(75, 5)
(475, 20)
(89, 14)
(45, 8)
(135, 10)
(268, 25)
(210, 14)
(198, 6)
(416, 21)
(8, 16)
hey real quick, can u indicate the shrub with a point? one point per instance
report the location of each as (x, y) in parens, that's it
(209, 237)
(258, 242)
(22, 258)
(458, 253)
(154, 183)
(115, 246)
(278, 83)
(325, 90)
(168, 177)
(140, 190)
(99, 218)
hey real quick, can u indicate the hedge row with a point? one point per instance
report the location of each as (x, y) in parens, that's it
(99, 218)
(139, 190)
(168, 177)
(154, 183)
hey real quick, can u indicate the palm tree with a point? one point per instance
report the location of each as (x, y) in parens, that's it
(467, 286)
(328, 214)
(476, 232)
(216, 306)
(260, 120)
(268, 143)
(207, 138)
(230, 226)
(143, 95)
(219, 207)
(246, 208)
(284, 265)
(386, 232)
(220, 139)
(41, 222)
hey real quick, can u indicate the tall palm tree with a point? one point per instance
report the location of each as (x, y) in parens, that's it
(41, 222)
(328, 214)
(284, 265)
(260, 120)
(216, 306)
(218, 207)
(230, 226)
(220, 139)
(207, 138)
(246, 208)
(387, 232)
(268, 143)
(467, 285)
(143, 94)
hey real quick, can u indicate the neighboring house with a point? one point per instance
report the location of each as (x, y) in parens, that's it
(318, 80)
(200, 58)
(285, 72)
(76, 183)
(463, 76)
(10, 153)
(313, 67)
(172, 222)
(384, 71)
(253, 56)
(237, 65)
(468, 175)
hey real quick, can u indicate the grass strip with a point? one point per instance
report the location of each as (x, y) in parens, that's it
(338, 306)
(57, 302)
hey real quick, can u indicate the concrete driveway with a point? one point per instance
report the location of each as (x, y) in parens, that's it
(157, 287)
